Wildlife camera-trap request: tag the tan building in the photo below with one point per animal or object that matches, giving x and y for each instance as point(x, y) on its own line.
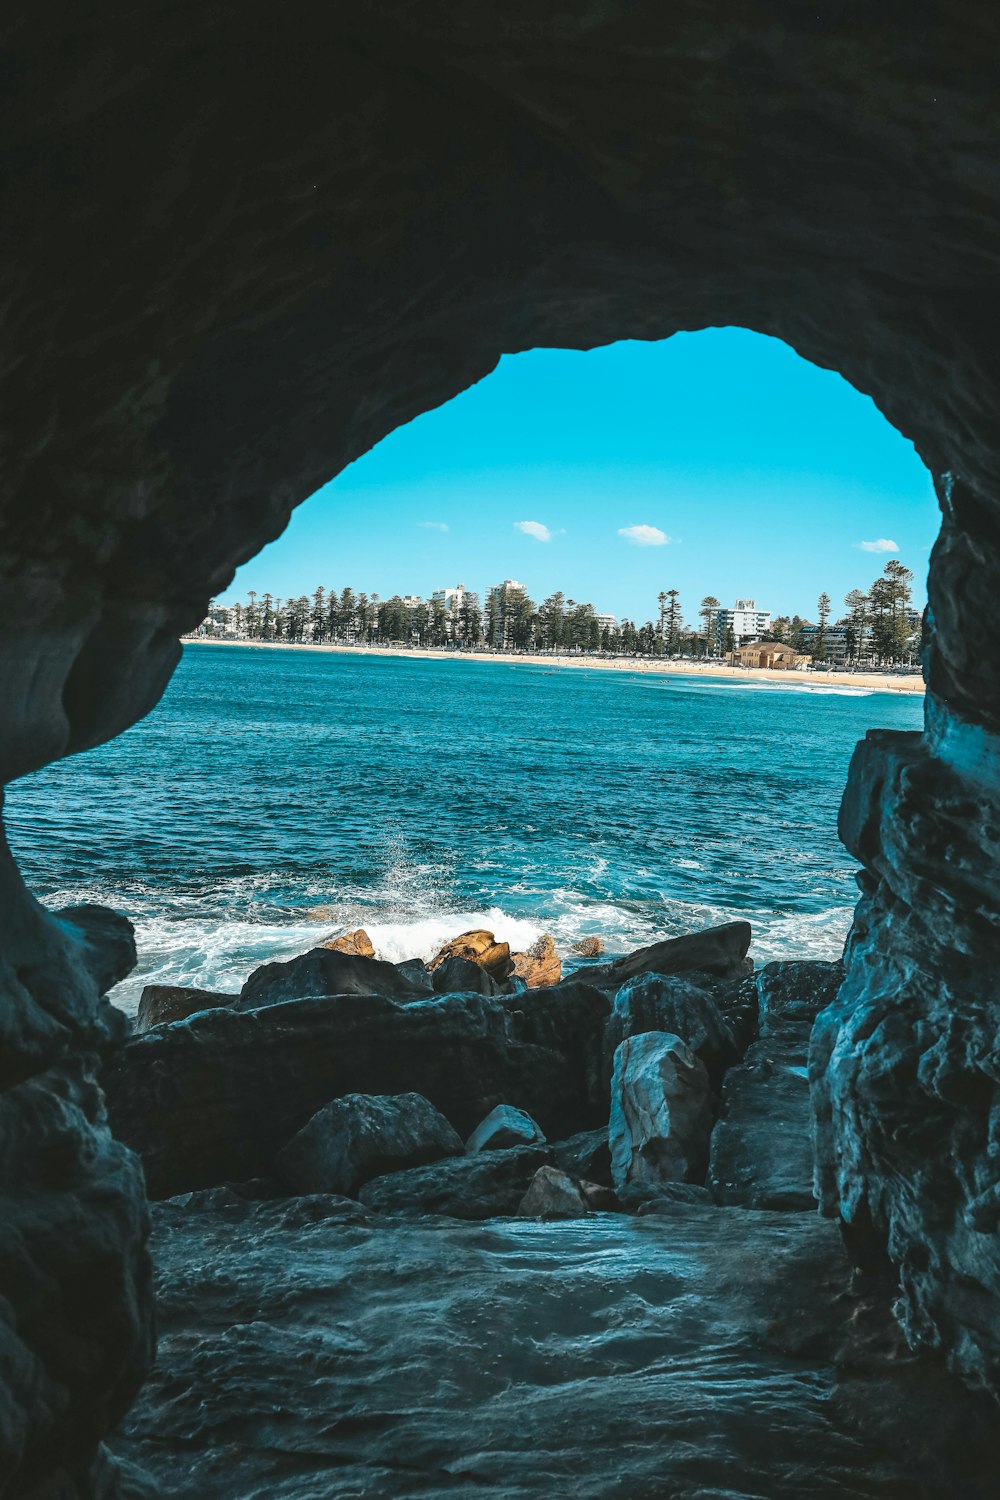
point(771, 654)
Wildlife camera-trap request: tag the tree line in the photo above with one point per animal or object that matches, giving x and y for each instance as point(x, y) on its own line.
point(875, 626)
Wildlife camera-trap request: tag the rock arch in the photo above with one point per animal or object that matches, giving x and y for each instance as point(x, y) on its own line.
point(244, 244)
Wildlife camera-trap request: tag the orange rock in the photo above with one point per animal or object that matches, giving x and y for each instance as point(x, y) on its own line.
point(358, 944)
point(541, 964)
point(589, 947)
point(479, 947)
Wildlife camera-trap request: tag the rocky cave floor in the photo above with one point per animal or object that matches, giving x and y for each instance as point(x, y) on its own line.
point(310, 1349)
point(355, 1300)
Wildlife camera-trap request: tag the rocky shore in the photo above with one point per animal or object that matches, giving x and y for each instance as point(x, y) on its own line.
point(424, 1230)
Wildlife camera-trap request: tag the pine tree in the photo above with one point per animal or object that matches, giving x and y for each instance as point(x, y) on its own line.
point(709, 612)
point(823, 606)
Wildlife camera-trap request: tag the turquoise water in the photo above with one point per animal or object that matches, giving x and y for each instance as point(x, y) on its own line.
point(275, 797)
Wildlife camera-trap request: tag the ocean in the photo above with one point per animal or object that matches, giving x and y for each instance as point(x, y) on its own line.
point(274, 798)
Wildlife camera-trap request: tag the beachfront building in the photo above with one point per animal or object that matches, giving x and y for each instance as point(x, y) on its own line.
point(774, 655)
point(745, 620)
point(503, 609)
point(606, 622)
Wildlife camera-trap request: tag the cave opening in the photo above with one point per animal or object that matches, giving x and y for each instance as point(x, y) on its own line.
point(242, 252)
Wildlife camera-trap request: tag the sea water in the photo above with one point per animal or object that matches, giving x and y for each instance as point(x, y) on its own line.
point(274, 798)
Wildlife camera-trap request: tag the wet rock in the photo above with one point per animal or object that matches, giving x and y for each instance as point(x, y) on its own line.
point(504, 1126)
point(719, 951)
point(680, 1005)
point(361, 1136)
point(600, 1198)
point(739, 1002)
point(484, 1186)
point(552, 1195)
point(792, 994)
point(323, 972)
point(540, 965)
point(699, 1351)
point(461, 975)
point(586, 1155)
point(588, 947)
point(479, 947)
point(160, 1004)
point(660, 1112)
point(107, 942)
point(212, 1100)
point(357, 944)
point(762, 1146)
point(662, 1198)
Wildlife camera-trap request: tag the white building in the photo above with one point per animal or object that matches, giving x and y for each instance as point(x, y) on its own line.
point(450, 598)
point(606, 622)
point(412, 601)
point(745, 620)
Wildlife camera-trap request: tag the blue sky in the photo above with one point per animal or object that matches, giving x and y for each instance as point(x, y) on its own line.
point(717, 462)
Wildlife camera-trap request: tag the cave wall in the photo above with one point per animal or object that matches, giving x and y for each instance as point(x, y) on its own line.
point(246, 242)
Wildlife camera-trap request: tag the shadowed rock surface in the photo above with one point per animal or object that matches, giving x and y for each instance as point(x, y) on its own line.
point(326, 971)
point(159, 1004)
point(504, 1126)
point(719, 951)
point(211, 1099)
point(465, 1187)
point(698, 1352)
point(362, 1136)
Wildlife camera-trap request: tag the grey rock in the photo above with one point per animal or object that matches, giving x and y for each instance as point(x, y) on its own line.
point(160, 1004)
point(762, 1146)
point(792, 994)
point(552, 1195)
point(660, 1112)
point(505, 1126)
point(322, 971)
point(678, 1004)
point(485, 1186)
point(456, 975)
point(718, 951)
point(212, 1100)
point(108, 951)
point(700, 1351)
point(361, 1136)
point(586, 1155)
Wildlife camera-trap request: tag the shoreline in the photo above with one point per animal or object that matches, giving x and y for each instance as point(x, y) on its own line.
point(862, 682)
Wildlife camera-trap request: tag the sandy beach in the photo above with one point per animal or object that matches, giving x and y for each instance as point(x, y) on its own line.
point(861, 682)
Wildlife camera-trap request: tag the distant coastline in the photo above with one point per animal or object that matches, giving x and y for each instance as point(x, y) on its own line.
point(864, 681)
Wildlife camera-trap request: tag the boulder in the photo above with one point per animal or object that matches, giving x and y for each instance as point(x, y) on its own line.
point(552, 1195)
point(720, 951)
point(462, 976)
point(661, 1115)
point(106, 942)
point(762, 1147)
point(588, 947)
point(792, 994)
point(600, 1198)
point(160, 1004)
point(585, 1155)
point(484, 1186)
point(213, 1100)
point(361, 1136)
point(679, 1004)
point(479, 947)
point(325, 972)
point(504, 1126)
point(540, 965)
point(357, 943)
point(739, 1002)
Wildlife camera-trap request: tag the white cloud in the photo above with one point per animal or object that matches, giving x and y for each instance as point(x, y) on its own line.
point(644, 536)
point(882, 545)
point(534, 529)
point(433, 525)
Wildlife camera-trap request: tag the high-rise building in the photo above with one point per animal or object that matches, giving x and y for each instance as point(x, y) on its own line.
point(497, 623)
point(745, 620)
